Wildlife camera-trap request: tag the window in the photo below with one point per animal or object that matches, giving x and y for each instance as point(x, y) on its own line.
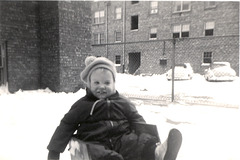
point(153, 33)
point(176, 31)
point(3, 66)
point(134, 22)
point(209, 28)
point(135, 2)
point(163, 62)
point(99, 17)
point(1, 57)
point(95, 38)
point(154, 7)
point(185, 30)
point(118, 36)
point(207, 57)
point(98, 38)
point(118, 13)
point(209, 4)
point(181, 31)
point(181, 6)
point(118, 59)
point(102, 38)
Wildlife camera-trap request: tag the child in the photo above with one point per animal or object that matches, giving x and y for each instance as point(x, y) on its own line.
point(105, 119)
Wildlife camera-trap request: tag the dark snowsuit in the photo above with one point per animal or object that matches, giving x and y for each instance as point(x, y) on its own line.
point(107, 125)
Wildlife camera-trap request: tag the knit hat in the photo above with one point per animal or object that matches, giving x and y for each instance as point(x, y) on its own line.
point(93, 63)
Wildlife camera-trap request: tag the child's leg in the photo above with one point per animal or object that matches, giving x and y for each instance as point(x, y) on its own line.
point(137, 147)
point(100, 152)
point(169, 149)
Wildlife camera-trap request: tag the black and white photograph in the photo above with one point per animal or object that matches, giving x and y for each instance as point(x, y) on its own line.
point(119, 80)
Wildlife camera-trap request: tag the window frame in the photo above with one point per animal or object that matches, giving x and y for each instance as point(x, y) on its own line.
point(153, 9)
point(98, 38)
point(163, 62)
point(208, 29)
point(118, 34)
point(101, 38)
point(118, 60)
point(118, 14)
point(181, 30)
point(132, 27)
point(95, 38)
point(152, 33)
point(206, 56)
point(99, 17)
point(181, 4)
point(208, 5)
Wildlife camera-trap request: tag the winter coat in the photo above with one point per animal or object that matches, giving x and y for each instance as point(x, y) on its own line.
point(107, 124)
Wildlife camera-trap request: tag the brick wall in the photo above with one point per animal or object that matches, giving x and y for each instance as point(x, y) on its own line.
point(65, 42)
point(18, 27)
point(224, 44)
point(75, 42)
point(49, 44)
point(189, 50)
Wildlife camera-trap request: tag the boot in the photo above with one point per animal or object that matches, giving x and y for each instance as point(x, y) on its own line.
point(169, 149)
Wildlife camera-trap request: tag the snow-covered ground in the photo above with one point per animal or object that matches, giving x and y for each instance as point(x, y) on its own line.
point(197, 89)
point(29, 118)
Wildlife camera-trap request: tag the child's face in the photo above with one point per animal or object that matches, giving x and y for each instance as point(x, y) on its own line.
point(102, 84)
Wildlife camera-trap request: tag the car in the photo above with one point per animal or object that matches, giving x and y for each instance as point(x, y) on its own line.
point(220, 71)
point(181, 72)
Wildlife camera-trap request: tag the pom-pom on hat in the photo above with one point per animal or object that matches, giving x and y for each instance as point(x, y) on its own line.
point(93, 63)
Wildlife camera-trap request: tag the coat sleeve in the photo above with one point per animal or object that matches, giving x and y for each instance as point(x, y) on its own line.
point(66, 128)
point(62, 134)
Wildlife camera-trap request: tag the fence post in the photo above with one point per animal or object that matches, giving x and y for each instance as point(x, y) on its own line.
point(173, 67)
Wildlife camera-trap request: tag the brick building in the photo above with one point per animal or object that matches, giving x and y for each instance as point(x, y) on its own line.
point(44, 44)
point(138, 35)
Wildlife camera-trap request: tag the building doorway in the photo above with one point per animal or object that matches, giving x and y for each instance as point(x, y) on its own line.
point(134, 62)
point(3, 64)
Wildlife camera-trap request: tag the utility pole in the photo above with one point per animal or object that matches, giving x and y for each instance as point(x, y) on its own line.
point(107, 3)
point(124, 36)
point(173, 67)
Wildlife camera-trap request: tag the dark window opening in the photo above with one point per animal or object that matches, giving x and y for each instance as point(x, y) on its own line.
point(163, 62)
point(134, 2)
point(153, 35)
point(185, 34)
point(185, 7)
point(118, 59)
point(176, 35)
point(207, 57)
point(134, 22)
point(209, 32)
